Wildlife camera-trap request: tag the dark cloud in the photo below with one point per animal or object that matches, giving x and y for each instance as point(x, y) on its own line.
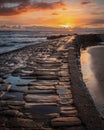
point(44, 5)
point(95, 21)
point(26, 5)
point(97, 12)
point(12, 1)
point(86, 2)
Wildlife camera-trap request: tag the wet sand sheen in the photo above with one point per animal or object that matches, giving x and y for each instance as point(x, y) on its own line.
point(92, 65)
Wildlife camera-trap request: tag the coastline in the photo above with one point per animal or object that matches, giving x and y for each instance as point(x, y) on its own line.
point(21, 48)
point(87, 112)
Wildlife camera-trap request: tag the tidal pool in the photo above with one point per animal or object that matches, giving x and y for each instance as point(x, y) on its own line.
point(14, 81)
point(92, 66)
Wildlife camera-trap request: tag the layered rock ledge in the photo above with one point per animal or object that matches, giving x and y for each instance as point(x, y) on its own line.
point(41, 88)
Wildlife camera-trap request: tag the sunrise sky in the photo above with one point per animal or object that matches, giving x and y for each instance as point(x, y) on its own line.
point(55, 13)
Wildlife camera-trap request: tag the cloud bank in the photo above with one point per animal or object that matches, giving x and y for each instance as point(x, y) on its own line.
point(87, 2)
point(27, 5)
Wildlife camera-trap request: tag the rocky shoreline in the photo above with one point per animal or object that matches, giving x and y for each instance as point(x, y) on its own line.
point(83, 100)
point(41, 88)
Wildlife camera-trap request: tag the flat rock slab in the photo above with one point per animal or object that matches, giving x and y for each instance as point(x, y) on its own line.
point(40, 92)
point(69, 113)
point(21, 123)
point(41, 110)
point(2, 81)
point(7, 97)
point(65, 121)
point(64, 66)
point(28, 77)
point(66, 95)
point(62, 90)
point(47, 70)
point(65, 101)
point(31, 75)
point(48, 77)
point(47, 62)
point(17, 90)
point(42, 98)
point(22, 84)
point(64, 73)
point(14, 103)
point(43, 83)
point(53, 115)
point(29, 104)
point(45, 73)
point(64, 83)
point(52, 59)
point(64, 79)
point(27, 71)
point(11, 113)
point(54, 66)
point(4, 87)
point(42, 87)
point(69, 108)
point(62, 47)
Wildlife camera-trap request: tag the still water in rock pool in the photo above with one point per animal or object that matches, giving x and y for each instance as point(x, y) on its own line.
point(92, 66)
point(15, 81)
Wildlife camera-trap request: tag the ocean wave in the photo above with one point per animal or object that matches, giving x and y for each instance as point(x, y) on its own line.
point(6, 45)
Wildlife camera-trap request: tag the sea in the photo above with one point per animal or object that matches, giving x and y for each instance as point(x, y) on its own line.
point(12, 40)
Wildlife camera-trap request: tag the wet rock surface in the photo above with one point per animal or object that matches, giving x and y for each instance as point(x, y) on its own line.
point(36, 90)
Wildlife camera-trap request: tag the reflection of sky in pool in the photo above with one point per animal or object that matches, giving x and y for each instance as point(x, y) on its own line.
point(92, 62)
point(14, 81)
point(17, 80)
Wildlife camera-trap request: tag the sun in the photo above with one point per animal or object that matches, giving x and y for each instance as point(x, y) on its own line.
point(65, 25)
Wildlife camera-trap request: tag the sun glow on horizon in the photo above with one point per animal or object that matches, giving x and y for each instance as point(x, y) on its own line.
point(68, 26)
point(56, 13)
